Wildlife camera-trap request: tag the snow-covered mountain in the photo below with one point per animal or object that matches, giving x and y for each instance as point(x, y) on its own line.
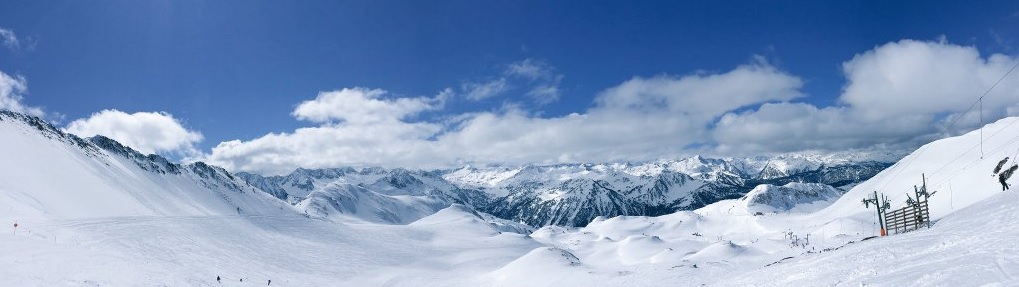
point(812, 241)
point(567, 194)
point(57, 175)
point(574, 194)
point(372, 194)
point(94, 213)
point(348, 201)
point(772, 198)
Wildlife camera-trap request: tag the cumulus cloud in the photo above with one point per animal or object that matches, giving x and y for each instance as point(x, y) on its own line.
point(639, 119)
point(361, 105)
point(359, 126)
point(11, 91)
point(9, 38)
point(897, 96)
point(642, 118)
point(703, 96)
point(904, 93)
point(147, 132)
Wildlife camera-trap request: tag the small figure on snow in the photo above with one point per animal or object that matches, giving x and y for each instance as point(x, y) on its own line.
point(1001, 179)
point(218, 280)
point(1001, 163)
point(1005, 175)
point(270, 282)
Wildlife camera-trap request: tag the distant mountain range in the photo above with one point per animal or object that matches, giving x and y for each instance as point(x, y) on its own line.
point(568, 194)
point(538, 195)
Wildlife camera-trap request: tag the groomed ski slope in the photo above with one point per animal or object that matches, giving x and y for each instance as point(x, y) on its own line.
point(90, 220)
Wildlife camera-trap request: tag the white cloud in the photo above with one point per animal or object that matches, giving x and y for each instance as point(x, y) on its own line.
point(914, 77)
point(901, 93)
point(703, 96)
point(545, 93)
point(361, 105)
point(539, 79)
point(481, 91)
point(147, 132)
point(640, 119)
point(897, 96)
point(359, 126)
point(11, 91)
point(542, 78)
point(9, 38)
point(790, 127)
point(385, 143)
point(530, 69)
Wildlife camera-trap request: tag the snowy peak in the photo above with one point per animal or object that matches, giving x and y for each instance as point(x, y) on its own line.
point(574, 194)
point(150, 162)
point(55, 174)
point(45, 129)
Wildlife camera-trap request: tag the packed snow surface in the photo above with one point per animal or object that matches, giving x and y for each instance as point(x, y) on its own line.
point(91, 217)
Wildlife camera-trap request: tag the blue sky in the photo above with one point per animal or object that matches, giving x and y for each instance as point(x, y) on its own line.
point(239, 70)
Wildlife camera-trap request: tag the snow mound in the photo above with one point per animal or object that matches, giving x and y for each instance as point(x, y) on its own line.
point(722, 251)
point(528, 270)
point(560, 257)
point(465, 218)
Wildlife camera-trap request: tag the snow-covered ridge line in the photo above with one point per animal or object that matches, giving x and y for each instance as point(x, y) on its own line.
point(92, 146)
point(54, 174)
point(574, 194)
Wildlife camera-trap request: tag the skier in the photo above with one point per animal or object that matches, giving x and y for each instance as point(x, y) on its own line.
point(270, 282)
point(1005, 175)
point(1000, 164)
point(217, 279)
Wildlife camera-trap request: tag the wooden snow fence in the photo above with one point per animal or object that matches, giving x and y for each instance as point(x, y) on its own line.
point(908, 218)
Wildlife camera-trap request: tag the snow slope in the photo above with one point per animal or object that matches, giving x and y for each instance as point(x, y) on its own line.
point(949, 164)
point(350, 202)
point(974, 246)
point(94, 214)
point(291, 251)
point(724, 244)
point(50, 174)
